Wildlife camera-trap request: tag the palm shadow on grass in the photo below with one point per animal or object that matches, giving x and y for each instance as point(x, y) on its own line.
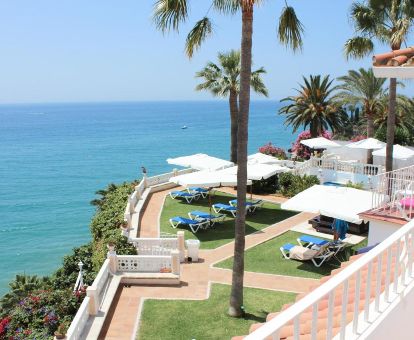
point(222, 233)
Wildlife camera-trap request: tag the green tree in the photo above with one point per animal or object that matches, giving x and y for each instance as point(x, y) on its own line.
point(314, 106)
point(361, 88)
point(223, 80)
point(169, 14)
point(387, 21)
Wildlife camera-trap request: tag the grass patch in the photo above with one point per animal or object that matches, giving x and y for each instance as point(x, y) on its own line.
point(221, 233)
point(207, 319)
point(267, 258)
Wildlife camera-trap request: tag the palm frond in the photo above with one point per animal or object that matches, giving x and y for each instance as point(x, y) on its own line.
point(168, 14)
point(227, 6)
point(358, 47)
point(290, 29)
point(201, 30)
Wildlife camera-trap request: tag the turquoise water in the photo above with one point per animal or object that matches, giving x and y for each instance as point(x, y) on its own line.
point(54, 157)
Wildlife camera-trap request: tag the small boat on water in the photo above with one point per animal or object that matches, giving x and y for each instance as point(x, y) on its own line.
point(184, 127)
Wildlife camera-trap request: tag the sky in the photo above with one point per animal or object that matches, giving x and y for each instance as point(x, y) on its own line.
point(106, 50)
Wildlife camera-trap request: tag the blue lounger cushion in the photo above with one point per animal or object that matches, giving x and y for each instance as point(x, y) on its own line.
point(225, 206)
point(198, 189)
point(184, 220)
point(182, 194)
point(202, 214)
point(311, 239)
point(288, 246)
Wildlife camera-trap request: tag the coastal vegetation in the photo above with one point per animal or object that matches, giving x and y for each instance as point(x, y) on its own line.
point(34, 308)
point(223, 80)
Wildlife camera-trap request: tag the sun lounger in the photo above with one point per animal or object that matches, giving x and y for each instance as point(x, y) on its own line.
point(204, 215)
point(250, 205)
point(197, 190)
point(318, 257)
point(313, 242)
point(193, 224)
point(406, 206)
point(224, 207)
point(189, 197)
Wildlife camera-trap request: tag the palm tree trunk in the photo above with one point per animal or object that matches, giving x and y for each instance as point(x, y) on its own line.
point(370, 133)
point(234, 112)
point(236, 296)
point(391, 124)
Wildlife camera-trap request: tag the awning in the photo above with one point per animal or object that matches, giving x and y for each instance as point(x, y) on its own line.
point(399, 152)
point(319, 143)
point(210, 179)
point(337, 202)
point(258, 172)
point(368, 144)
point(200, 161)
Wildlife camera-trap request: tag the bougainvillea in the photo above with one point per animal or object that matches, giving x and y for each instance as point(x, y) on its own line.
point(303, 151)
point(272, 150)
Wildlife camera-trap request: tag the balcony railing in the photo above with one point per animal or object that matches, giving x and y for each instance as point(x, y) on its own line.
point(377, 278)
point(398, 187)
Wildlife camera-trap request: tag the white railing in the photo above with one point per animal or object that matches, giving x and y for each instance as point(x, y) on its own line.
point(155, 246)
point(338, 165)
point(398, 187)
point(79, 321)
point(143, 263)
point(377, 278)
point(102, 277)
point(164, 178)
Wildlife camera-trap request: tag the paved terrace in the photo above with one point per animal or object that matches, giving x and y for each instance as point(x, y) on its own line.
point(123, 318)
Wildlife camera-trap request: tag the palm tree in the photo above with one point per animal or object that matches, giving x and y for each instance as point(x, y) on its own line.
point(387, 21)
point(223, 80)
point(169, 14)
point(314, 107)
point(362, 88)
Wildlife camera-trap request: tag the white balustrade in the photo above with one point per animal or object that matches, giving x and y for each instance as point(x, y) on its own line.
point(398, 187)
point(143, 263)
point(164, 178)
point(79, 321)
point(364, 276)
point(155, 246)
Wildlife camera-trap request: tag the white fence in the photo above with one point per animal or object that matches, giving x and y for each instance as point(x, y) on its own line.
point(143, 263)
point(378, 277)
point(155, 246)
point(164, 178)
point(79, 321)
point(398, 187)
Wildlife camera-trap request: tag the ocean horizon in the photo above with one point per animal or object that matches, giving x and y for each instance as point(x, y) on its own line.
point(54, 156)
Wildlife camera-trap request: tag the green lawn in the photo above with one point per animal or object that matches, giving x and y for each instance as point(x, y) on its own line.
point(220, 233)
point(267, 258)
point(180, 319)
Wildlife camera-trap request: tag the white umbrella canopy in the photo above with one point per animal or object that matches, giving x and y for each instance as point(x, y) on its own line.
point(399, 152)
point(337, 202)
point(368, 144)
point(257, 172)
point(319, 143)
point(261, 158)
point(200, 161)
point(210, 179)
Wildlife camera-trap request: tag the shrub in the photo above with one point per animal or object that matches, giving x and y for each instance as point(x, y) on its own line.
point(291, 184)
point(360, 185)
point(302, 151)
point(274, 151)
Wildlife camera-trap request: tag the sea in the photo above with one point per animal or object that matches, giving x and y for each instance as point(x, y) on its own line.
point(54, 157)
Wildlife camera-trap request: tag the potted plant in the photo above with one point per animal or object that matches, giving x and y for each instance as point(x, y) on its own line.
point(111, 245)
point(60, 333)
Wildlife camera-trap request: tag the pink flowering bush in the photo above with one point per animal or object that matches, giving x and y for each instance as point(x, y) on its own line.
point(302, 151)
point(271, 150)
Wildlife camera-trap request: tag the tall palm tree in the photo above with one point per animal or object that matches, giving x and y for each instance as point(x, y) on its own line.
point(169, 14)
point(404, 114)
point(362, 88)
point(387, 21)
point(314, 106)
point(222, 80)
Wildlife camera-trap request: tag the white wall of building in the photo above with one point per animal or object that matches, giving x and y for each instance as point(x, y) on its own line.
point(380, 230)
